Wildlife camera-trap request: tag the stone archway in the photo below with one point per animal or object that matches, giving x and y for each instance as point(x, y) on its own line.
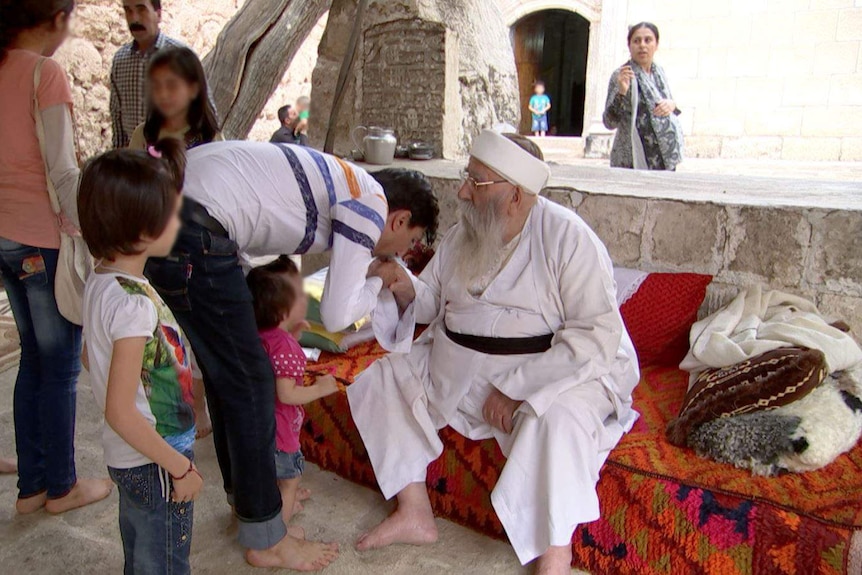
point(552, 46)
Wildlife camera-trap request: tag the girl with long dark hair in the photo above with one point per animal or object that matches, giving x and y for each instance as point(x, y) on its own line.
point(179, 105)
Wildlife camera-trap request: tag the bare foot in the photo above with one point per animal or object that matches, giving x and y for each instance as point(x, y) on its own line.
point(31, 504)
point(303, 494)
point(85, 492)
point(292, 553)
point(297, 507)
point(555, 561)
point(296, 532)
point(8, 465)
point(413, 528)
point(203, 425)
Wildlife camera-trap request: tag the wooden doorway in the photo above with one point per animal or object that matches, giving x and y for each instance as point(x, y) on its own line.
point(552, 46)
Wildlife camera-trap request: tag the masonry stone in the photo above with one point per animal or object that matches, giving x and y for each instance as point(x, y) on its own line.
point(685, 235)
point(702, 146)
point(808, 149)
point(832, 121)
point(780, 121)
point(768, 243)
point(618, 221)
point(754, 147)
point(837, 248)
point(836, 57)
point(846, 90)
point(805, 91)
point(851, 149)
point(850, 24)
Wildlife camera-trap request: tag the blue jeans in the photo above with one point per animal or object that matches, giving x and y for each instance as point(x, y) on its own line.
point(156, 532)
point(44, 400)
point(203, 284)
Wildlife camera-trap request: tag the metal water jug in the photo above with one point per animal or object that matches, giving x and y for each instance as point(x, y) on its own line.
point(377, 144)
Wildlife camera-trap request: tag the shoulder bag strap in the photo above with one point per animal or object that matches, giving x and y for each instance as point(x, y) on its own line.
point(40, 134)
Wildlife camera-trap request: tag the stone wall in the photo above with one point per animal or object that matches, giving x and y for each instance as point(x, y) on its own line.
point(770, 79)
point(814, 253)
point(484, 79)
point(99, 31)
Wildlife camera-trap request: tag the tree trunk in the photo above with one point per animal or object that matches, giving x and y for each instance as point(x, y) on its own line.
point(251, 55)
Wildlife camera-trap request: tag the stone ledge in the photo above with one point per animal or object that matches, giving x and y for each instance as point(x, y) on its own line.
point(741, 230)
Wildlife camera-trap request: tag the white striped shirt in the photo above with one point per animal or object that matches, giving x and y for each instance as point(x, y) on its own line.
point(285, 199)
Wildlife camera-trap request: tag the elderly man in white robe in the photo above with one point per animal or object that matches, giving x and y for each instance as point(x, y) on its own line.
point(526, 345)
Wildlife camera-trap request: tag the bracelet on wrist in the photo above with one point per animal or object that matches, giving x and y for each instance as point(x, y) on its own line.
point(186, 474)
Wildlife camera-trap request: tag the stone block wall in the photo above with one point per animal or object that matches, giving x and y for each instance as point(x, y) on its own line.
point(777, 79)
point(810, 252)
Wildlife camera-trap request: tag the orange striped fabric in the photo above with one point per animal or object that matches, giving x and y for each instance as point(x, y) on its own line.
point(352, 182)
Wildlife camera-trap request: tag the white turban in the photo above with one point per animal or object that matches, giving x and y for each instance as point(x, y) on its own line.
point(511, 161)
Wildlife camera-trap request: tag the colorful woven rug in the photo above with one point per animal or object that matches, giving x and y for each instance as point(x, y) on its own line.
point(664, 510)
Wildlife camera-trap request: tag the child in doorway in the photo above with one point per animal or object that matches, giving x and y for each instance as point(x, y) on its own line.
point(303, 105)
point(540, 103)
point(280, 306)
point(179, 102)
point(139, 363)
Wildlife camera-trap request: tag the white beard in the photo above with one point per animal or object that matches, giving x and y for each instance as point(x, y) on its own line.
point(479, 240)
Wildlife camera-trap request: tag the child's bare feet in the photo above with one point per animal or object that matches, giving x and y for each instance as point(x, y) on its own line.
point(303, 494)
point(555, 561)
point(292, 553)
point(296, 532)
point(85, 492)
point(30, 505)
point(8, 465)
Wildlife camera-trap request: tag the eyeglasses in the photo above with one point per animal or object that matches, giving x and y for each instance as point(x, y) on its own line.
point(475, 185)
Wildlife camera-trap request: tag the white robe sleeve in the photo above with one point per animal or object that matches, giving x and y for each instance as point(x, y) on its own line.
point(348, 294)
point(585, 347)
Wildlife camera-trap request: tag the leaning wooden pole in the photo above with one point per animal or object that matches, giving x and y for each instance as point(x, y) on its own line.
point(251, 55)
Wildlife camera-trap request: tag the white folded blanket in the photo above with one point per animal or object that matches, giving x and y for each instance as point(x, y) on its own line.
point(758, 321)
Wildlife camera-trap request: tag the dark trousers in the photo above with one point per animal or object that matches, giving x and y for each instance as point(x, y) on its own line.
point(45, 390)
point(203, 284)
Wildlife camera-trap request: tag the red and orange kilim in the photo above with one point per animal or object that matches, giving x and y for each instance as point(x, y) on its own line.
point(664, 509)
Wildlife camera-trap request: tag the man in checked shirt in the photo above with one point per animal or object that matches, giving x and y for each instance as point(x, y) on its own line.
point(129, 68)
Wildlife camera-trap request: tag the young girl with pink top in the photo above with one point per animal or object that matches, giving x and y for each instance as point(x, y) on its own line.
point(280, 305)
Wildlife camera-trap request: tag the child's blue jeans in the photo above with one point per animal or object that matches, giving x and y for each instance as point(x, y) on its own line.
point(156, 532)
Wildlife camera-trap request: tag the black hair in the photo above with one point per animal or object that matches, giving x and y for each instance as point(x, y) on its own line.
point(272, 294)
point(411, 190)
point(539, 83)
point(282, 113)
point(19, 15)
point(128, 194)
point(203, 125)
point(648, 25)
point(157, 4)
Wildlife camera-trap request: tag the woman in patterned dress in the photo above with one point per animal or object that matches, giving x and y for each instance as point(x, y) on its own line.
point(641, 109)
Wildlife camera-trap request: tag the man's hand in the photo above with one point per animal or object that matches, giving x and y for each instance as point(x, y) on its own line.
point(384, 269)
point(664, 108)
point(402, 289)
point(499, 411)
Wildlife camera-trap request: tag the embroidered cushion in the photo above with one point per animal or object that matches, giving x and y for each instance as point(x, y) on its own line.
point(659, 316)
point(765, 382)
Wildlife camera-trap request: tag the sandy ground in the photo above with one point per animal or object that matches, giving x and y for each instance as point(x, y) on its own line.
point(87, 541)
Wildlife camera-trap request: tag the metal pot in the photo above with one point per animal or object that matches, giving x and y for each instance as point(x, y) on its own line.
point(377, 144)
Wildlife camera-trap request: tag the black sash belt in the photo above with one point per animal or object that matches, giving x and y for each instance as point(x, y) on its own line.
point(196, 213)
point(502, 345)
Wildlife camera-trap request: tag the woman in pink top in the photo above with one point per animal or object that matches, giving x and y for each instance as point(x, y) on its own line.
point(44, 402)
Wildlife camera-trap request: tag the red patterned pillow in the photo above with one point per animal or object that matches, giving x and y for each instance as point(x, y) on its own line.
point(660, 314)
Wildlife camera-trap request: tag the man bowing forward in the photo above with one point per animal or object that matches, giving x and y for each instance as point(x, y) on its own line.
point(526, 345)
